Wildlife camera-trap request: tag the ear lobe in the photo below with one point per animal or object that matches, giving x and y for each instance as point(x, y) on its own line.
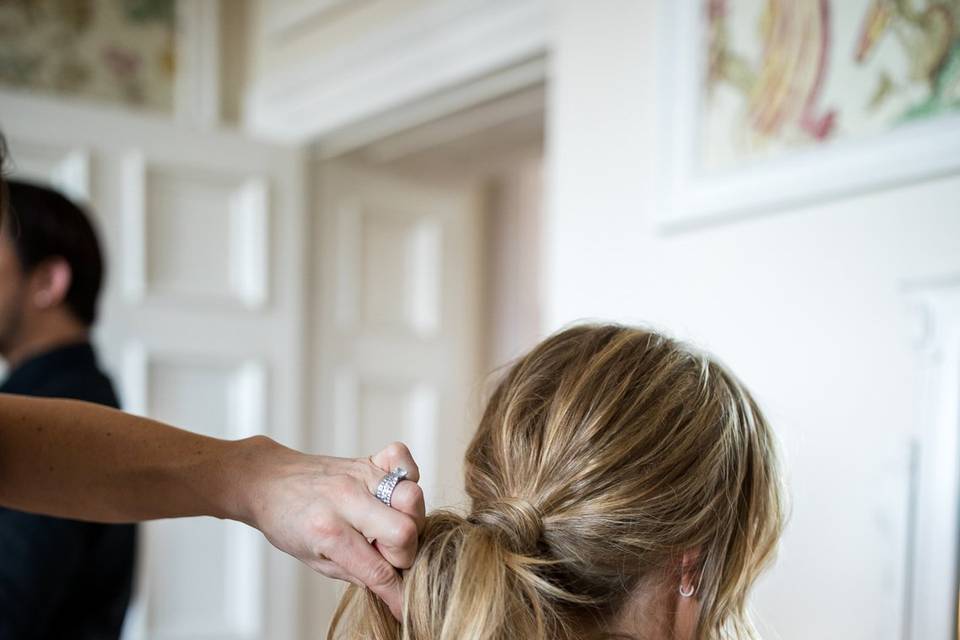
point(54, 278)
point(687, 602)
point(691, 572)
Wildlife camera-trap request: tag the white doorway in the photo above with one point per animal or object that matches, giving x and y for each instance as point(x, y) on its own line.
point(335, 299)
point(425, 278)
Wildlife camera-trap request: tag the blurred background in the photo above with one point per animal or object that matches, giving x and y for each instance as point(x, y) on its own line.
point(330, 221)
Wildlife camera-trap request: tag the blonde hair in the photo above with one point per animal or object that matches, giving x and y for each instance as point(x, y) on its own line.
point(603, 455)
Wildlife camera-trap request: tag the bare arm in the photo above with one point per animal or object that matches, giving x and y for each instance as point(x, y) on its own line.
point(85, 461)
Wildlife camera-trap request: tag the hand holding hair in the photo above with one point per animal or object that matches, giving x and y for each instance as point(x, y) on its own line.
point(88, 462)
point(323, 511)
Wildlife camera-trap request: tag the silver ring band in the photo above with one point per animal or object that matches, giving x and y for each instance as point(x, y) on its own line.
point(388, 483)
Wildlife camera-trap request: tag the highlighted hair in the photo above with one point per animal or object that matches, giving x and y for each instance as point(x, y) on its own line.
point(603, 455)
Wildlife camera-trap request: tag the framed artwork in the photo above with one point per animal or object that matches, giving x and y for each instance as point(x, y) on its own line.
point(114, 52)
point(774, 103)
point(161, 56)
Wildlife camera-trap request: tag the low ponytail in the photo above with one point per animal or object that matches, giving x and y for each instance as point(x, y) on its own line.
point(472, 580)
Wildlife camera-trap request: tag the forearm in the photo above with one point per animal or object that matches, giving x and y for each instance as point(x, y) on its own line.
point(84, 461)
point(88, 462)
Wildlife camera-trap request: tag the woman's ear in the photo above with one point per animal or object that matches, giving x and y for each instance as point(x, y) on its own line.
point(690, 572)
point(50, 282)
point(688, 603)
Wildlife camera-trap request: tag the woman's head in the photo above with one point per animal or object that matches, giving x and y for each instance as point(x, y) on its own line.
point(612, 468)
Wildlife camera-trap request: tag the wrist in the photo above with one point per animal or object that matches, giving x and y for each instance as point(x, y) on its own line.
point(244, 478)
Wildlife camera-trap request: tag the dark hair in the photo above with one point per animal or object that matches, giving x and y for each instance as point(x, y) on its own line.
point(43, 225)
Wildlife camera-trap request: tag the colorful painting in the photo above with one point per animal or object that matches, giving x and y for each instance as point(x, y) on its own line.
point(786, 74)
point(106, 50)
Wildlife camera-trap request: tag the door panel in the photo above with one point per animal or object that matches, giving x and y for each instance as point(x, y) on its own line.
point(201, 326)
point(223, 560)
point(195, 233)
point(66, 167)
point(397, 337)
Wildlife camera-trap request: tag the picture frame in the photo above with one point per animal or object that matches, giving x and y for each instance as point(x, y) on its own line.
point(906, 153)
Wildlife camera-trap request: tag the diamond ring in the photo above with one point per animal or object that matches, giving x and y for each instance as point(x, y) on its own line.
point(388, 483)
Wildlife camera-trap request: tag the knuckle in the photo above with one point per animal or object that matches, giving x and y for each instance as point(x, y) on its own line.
point(326, 531)
point(415, 493)
point(408, 497)
point(405, 533)
point(397, 450)
point(381, 574)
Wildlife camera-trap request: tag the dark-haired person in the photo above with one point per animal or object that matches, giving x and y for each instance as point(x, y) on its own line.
point(59, 578)
point(82, 460)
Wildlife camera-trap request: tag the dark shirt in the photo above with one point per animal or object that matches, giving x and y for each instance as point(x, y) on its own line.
point(63, 579)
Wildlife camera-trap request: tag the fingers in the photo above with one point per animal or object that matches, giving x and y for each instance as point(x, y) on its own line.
point(396, 536)
point(396, 455)
point(357, 558)
point(407, 496)
point(332, 570)
point(408, 499)
point(395, 532)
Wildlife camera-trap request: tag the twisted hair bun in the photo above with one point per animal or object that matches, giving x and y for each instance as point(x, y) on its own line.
point(603, 455)
point(519, 522)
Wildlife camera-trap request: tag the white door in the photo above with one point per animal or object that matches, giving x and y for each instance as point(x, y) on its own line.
point(396, 333)
point(931, 607)
point(202, 324)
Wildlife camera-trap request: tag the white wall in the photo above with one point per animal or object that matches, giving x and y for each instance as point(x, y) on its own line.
point(806, 305)
point(511, 263)
point(285, 33)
